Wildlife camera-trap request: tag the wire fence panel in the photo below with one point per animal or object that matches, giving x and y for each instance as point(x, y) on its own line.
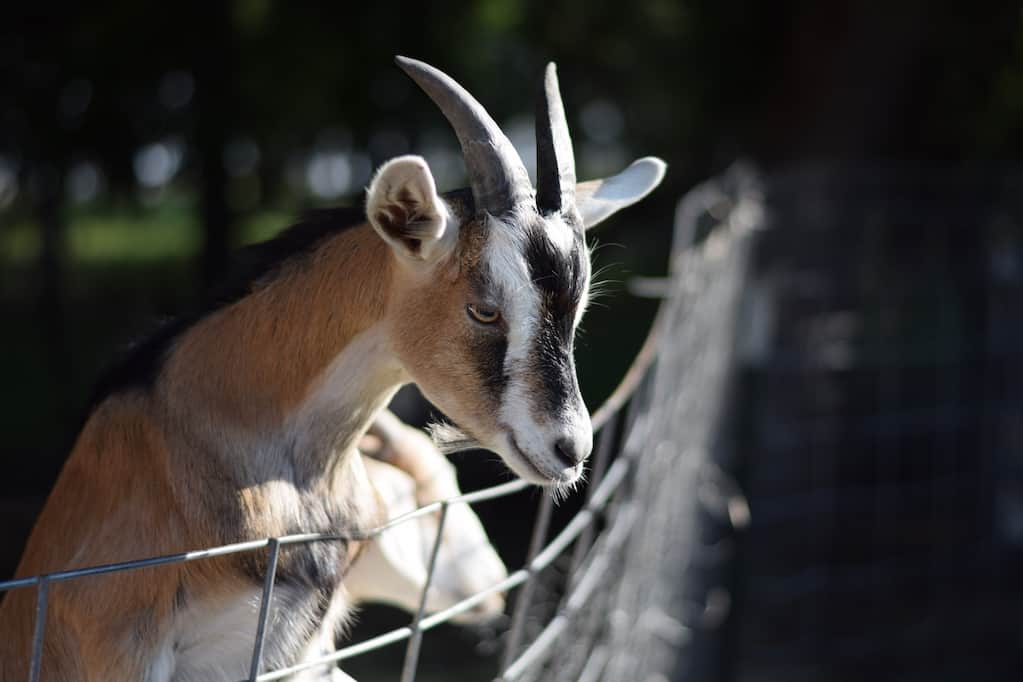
point(883, 425)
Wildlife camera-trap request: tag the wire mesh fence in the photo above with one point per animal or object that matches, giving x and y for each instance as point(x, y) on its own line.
point(881, 428)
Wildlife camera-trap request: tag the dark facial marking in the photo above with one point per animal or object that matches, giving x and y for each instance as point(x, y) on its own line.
point(560, 280)
point(489, 355)
point(489, 346)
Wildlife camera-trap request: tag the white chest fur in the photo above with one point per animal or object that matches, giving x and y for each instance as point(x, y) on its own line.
point(213, 641)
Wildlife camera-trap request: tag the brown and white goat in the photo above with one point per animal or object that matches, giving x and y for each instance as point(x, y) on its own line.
point(243, 422)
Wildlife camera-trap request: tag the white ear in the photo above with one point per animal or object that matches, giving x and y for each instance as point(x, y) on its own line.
point(403, 206)
point(599, 199)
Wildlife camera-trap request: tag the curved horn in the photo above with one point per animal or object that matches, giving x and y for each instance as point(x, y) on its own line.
point(498, 178)
point(555, 163)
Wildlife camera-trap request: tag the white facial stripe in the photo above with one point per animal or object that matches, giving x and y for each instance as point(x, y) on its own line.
point(584, 300)
point(505, 257)
point(510, 274)
point(560, 234)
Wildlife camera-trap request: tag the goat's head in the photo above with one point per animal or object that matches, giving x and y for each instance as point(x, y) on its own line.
point(492, 282)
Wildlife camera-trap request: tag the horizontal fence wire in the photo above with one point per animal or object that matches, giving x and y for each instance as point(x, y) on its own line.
point(540, 556)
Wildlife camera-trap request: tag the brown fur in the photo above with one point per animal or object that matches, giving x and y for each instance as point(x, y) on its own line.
point(149, 474)
point(430, 325)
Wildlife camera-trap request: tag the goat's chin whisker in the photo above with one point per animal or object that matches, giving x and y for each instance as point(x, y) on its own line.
point(449, 438)
point(561, 491)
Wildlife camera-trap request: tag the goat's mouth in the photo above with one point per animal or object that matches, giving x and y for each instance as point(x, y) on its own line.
point(537, 472)
point(450, 438)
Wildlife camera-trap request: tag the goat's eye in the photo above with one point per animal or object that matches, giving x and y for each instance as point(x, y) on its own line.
point(483, 315)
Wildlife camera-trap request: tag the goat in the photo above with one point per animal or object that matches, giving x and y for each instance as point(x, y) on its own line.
point(243, 422)
point(408, 471)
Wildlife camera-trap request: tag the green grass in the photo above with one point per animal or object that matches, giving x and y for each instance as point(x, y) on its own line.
point(169, 231)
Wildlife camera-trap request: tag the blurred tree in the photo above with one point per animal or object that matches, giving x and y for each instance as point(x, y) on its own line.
point(213, 63)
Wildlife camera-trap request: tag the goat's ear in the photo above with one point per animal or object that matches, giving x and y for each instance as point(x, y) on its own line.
point(403, 206)
point(599, 199)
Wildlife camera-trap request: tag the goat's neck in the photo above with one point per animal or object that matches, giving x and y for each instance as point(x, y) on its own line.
point(296, 370)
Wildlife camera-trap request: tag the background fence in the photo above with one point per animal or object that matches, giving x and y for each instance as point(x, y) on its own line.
point(882, 428)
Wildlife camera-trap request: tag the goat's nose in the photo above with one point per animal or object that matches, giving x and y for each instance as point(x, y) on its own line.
point(571, 451)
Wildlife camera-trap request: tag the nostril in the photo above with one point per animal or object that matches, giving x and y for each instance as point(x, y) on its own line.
point(568, 452)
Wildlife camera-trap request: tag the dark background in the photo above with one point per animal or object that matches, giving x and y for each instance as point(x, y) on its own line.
point(141, 142)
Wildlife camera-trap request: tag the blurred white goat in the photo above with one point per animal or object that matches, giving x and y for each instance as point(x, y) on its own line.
point(408, 471)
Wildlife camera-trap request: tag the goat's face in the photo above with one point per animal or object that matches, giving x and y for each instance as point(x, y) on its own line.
point(492, 283)
point(487, 336)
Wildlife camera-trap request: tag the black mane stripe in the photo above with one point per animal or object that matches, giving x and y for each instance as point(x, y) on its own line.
point(138, 365)
point(560, 279)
